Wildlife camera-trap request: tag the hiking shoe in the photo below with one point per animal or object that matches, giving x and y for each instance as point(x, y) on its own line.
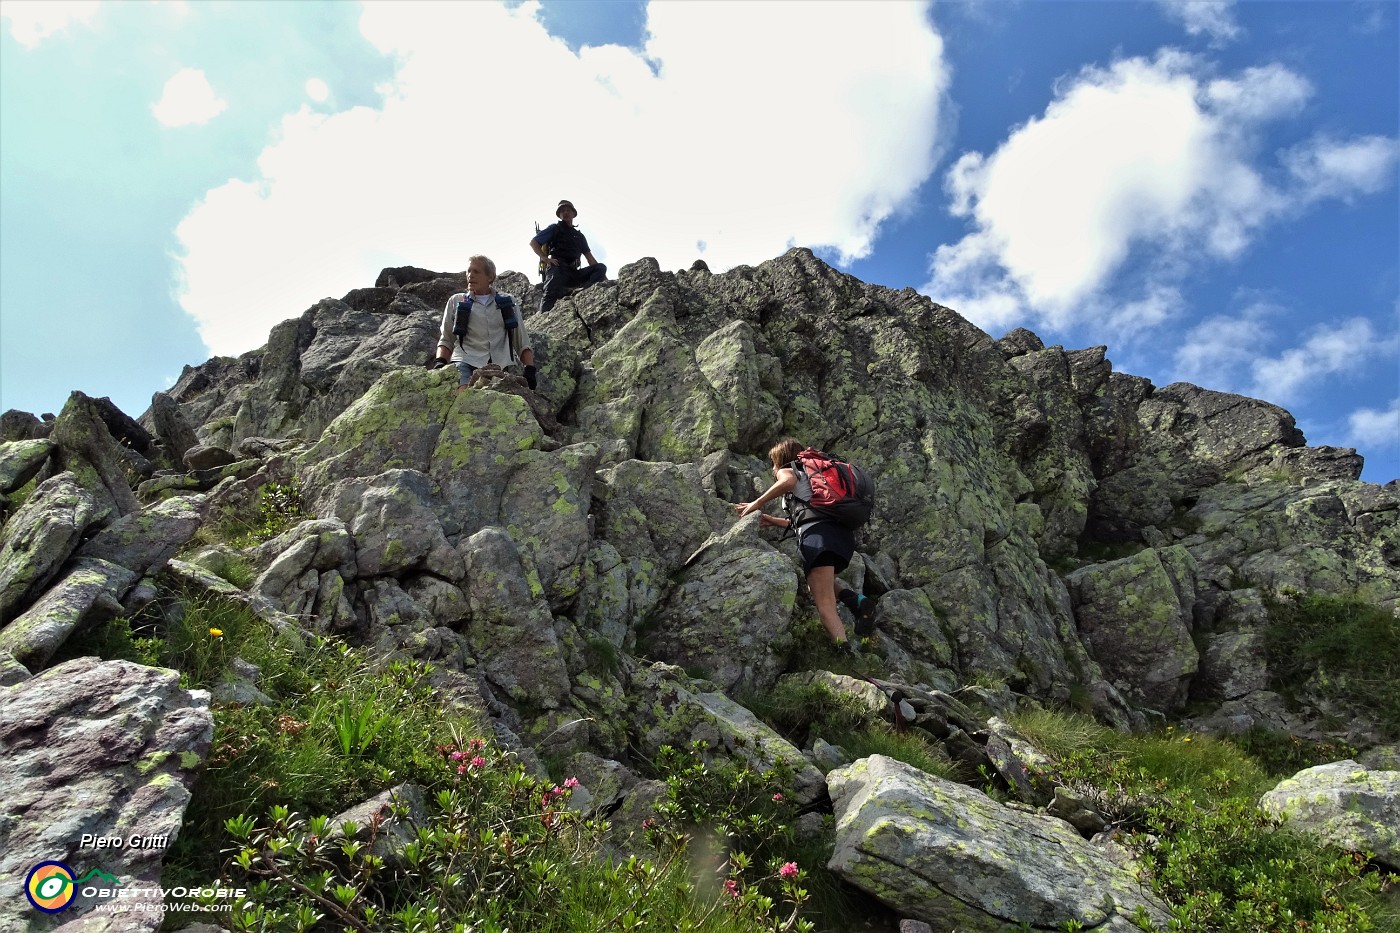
point(865, 616)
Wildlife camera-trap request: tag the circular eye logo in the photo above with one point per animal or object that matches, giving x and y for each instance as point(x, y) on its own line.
point(50, 886)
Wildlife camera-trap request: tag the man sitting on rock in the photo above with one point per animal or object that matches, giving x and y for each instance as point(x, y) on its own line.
point(481, 326)
point(560, 246)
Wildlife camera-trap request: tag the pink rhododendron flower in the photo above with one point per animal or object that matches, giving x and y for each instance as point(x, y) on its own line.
point(789, 870)
point(731, 887)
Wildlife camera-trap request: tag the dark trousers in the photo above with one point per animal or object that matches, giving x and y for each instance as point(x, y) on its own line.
point(560, 280)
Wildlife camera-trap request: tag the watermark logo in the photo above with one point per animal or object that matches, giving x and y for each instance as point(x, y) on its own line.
point(51, 886)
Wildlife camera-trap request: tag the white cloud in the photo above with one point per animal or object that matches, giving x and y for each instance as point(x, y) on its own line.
point(1231, 353)
point(1372, 428)
point(1326, 168)
point(317, 90)
point(33, 21)
point(1213, 18)
point(1328, 351)
point(761, 126)
point(1148, 166)
point(188, 100)
point(1220, 351)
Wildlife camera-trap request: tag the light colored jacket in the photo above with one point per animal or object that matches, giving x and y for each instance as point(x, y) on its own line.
point(487, 340)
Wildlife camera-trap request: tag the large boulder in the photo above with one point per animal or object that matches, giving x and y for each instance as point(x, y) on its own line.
point(1135, 614)
point(176, 436)
point(38, 538)
point(392, 520)
point(648, 390)
point(730, 614)
point(1345, 805)
point(144, 540)
point(1330, 536)
point(511, 632)
point(668, 708)
point(97, 750)
point(89, 593)
point(950, 856)
point(20, 461)
point(84, 445)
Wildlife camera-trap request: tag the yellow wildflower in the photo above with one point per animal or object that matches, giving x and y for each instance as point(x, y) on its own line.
point(217, 632)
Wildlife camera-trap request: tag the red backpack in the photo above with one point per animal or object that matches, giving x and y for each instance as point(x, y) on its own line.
point(830, 488)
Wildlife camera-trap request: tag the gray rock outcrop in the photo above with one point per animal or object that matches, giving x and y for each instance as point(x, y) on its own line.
point(949, 856)
point(1344, 805)
point(570, 563)
point(96, 750)
point(38, 538)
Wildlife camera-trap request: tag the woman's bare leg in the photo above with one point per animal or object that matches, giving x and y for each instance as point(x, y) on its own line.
point(822, 582)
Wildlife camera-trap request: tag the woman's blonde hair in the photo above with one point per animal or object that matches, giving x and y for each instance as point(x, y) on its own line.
point(490, 266)
point(785, 451)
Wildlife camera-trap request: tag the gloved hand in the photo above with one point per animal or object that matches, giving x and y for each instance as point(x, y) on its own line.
point(439, 362)
point(530, 377)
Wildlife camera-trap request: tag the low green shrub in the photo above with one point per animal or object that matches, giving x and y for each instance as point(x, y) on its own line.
point(339, 731)
point(499, 850)
point(1283, 755)
point(1337, 649)
point(238, 571)
point(277, 508)
point(1189, 806)
point(116, 640)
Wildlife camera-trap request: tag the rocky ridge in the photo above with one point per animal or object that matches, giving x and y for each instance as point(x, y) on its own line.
point(1071, 533)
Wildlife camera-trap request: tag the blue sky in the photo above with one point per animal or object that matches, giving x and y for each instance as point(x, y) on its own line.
point(1210, 189)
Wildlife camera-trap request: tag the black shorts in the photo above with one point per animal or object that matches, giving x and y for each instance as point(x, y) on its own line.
point(825, 544)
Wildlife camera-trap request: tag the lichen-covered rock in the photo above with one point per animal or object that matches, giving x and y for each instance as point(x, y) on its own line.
point(297, 558)
point(670, 709)
point(148, 538)
point(39, 537)
point(20, 461)
point(89, 593)
point(546, 504)
point(1344, 805)
point(909, 619)
point(176, 436)
point(647, 389)
point(207, 457)
point(104, 749)
point(84, 445)
point(730, 614)
point(393, 523)
point(733, 367)
point(1135, 614)
point(512, 633)
point(948, 855)
point(1332, 536)
point(16, 425)
point(1058, 463)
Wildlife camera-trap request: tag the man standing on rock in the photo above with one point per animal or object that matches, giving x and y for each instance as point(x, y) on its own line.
point(560, 247)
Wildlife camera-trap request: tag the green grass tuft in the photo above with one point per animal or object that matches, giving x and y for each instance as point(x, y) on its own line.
point(1188, 806)
point(1334, 649)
